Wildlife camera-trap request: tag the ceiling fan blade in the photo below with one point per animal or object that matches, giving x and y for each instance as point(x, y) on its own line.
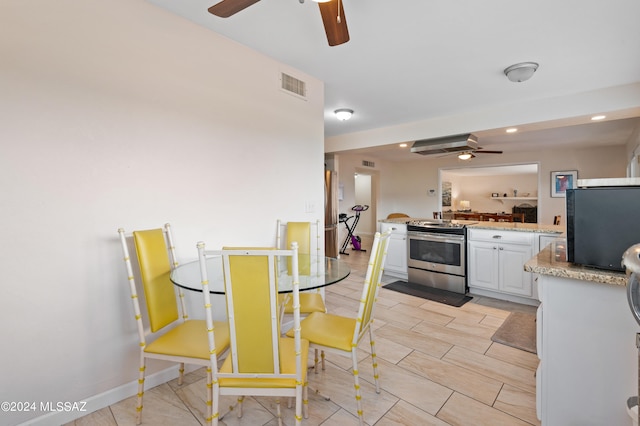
point(335, 23)
point(487, 152)
point(227, 8)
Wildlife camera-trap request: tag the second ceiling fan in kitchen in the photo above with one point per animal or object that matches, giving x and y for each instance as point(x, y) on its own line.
point(332, 12)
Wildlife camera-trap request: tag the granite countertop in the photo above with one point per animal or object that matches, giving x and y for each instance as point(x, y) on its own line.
point(503, 226)
point(552, 261)
point(517, 226)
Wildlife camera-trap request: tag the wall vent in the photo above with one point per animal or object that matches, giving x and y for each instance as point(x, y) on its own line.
point(293, 85)
point(368, 163)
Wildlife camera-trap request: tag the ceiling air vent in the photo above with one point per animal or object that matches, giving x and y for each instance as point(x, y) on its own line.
point(292, 85)
point(368, 163)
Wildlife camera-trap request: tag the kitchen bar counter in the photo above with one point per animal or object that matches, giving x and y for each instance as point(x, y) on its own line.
point(502, 226)
point(586, 337)
point(552, 261)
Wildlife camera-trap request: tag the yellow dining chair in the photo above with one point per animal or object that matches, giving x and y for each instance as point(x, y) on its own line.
point(182, 341)
point(310, 261)
point(261, 362)
point(307, 235)
point(338, 334)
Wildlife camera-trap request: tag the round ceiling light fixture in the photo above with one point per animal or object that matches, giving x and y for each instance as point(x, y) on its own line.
point(343, 114)
point(521, 72)
point(465, 156)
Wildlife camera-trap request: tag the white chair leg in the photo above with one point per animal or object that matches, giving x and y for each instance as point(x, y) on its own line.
point(279, 413)
point(212, 403)
point(181, 375)
point(298, 405)
point(140, 389)
point(356, 381)
point(374, 359)
point(240, 399)
point(305, 400)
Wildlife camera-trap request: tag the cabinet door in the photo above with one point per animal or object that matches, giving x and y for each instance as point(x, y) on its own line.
point(512, 277)
point(483, 265)
point(396, 254)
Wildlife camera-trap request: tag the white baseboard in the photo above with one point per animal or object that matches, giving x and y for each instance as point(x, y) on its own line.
point(105, 399)
point(475, 291)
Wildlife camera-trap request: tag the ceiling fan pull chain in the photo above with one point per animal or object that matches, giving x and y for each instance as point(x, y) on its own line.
point(339, 20)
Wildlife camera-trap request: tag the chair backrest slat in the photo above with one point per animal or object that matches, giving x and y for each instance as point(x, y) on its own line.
point(155, 271)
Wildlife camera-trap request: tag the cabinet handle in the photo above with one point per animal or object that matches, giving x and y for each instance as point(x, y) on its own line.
point(501, 248)
point(393, 229)
point(495, 248)
point(497, 237)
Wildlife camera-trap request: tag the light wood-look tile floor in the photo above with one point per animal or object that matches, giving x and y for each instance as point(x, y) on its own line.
point(437, 364)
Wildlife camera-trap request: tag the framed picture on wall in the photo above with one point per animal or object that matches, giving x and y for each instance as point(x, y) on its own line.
point(446, 194)
point(563, 180)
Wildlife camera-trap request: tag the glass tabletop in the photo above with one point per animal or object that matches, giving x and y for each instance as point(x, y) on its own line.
point(188, 277)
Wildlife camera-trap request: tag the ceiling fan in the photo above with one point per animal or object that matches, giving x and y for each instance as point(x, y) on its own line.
point(332, 12)
point(465, 145)
point(467, 155)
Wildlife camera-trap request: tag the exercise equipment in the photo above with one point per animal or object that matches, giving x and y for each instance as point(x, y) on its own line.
point(354, 239)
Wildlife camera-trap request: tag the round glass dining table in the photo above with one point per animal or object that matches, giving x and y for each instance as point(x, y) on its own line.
point(188, 277)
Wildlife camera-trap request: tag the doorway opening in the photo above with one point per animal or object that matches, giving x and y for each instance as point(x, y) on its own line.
point(366, 190)
point(493, 189)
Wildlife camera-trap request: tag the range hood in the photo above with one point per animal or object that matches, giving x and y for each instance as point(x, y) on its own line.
point(455, 143)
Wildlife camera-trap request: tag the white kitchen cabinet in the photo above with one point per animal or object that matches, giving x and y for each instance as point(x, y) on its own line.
point(396, 263)
point(496, 262)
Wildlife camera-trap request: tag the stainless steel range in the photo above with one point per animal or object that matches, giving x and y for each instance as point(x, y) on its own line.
point(437, 254)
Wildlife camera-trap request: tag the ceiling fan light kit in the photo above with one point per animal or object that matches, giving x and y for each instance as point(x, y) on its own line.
point(343, 114)
point(465, 156)
point(521, 72)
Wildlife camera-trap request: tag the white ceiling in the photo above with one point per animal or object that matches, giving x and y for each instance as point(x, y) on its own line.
point(412, 60)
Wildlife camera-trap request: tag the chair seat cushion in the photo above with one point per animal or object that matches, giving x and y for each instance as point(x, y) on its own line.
point(309, 302)
point(287, 366)
point(190, 339)
point(329, 330)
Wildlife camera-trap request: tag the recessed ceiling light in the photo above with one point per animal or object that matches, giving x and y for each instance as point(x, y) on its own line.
point(512, 130)
point(598, 117)
point(403, 145)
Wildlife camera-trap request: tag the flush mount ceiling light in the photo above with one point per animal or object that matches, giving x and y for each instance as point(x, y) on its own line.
point(465, 156)
point(343, 114)
point(521, 72)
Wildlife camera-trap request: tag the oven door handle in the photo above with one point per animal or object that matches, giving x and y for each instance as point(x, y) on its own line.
point(429, 236)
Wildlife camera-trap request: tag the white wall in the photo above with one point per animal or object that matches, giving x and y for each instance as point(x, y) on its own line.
point(404, 186)
point(118, 114)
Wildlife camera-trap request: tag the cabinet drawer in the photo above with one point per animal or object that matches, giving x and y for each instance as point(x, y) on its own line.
point(511, 237)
